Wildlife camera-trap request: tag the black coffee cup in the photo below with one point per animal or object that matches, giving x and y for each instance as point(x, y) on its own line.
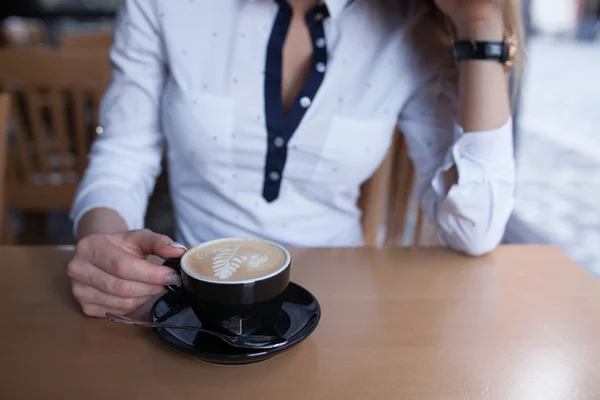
point(234, 307)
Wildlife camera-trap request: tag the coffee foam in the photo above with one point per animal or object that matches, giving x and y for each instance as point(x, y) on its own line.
point(230, 260)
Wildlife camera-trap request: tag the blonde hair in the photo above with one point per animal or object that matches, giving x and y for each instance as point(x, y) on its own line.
point(402, 173)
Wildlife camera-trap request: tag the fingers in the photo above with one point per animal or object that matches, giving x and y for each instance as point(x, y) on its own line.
point(87, 295)
point(120, 264)
point(88, 275)
point(109, 273)
point(159, 245)
point(97, 311)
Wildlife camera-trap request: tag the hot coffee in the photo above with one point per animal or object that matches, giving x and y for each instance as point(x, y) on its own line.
point(235, 285)
point(234, 260)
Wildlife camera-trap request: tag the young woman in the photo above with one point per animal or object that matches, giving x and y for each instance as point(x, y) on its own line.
point(274, 112)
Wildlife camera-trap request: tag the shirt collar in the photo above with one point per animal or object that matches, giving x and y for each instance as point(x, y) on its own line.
point(335, 7)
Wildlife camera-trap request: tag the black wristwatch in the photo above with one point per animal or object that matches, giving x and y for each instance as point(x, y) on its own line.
point(502, 52)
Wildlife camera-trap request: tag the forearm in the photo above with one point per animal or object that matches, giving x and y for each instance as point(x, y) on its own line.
point(100, 220)
point(483, 95)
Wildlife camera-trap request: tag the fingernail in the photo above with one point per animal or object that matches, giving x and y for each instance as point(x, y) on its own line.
point(176, 245)
point(173, 280)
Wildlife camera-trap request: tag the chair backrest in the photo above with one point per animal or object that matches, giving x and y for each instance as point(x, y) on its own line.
point(56, 97)
point(4, 110)
point(372, 200)
point(16, 31)
point(389, 204)
point(85, 40)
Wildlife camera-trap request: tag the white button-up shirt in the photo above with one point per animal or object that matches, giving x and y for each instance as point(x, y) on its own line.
point(202, 76)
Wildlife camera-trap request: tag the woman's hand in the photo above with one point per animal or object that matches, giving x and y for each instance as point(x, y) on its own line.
point(474, 19)
point(109, 272)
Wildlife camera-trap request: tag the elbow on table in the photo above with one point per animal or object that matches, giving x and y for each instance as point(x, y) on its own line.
point(477, 242)
point(480, 248)
point(470, 229)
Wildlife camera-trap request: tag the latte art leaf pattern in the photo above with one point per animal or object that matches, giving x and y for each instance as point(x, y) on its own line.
point(234, 260)
point(227, 261)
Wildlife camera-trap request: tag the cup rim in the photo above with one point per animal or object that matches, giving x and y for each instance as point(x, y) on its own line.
point(285, 265)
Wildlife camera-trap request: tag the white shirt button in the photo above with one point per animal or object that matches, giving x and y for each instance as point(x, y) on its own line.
point(305, 102)
point(279, 142)
point(320, 67)
point(274, 176)
point(320, 43)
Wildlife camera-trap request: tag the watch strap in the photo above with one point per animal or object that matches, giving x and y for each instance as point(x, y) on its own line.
point(464, 50)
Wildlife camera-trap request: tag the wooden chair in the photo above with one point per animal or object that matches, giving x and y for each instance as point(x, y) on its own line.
point(377, 194)
point(85, 40)
point(55, 105)
point(4, 110)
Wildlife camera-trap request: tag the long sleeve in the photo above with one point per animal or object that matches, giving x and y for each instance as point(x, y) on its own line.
point(125, 158)
point(472, 216)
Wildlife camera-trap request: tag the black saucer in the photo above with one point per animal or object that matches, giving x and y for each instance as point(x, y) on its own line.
point(297, 319)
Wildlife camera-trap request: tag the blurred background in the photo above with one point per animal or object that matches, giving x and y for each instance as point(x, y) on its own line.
point(557, 140)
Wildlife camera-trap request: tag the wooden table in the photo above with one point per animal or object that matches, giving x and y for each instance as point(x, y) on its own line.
point(521, 323)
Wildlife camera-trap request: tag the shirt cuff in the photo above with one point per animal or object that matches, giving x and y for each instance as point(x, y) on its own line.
point(479, 157)
point(107, 197)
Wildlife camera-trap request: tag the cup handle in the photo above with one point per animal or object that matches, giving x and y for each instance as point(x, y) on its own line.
point(174, 263)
